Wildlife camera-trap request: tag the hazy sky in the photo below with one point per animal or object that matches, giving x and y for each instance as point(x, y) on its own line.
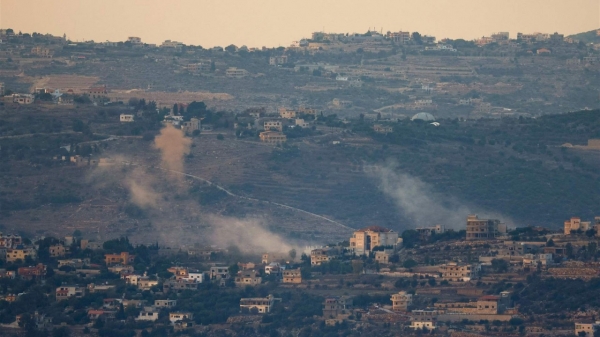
point(258, 23)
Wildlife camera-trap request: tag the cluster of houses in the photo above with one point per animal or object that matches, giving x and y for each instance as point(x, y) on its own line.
point(56, 96)
point(271, 126)
point(490, 237)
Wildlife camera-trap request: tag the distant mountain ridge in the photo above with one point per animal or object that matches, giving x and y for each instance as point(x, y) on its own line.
point(587, 37)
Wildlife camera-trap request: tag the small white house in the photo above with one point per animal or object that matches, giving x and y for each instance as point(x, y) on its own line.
point(126, 118)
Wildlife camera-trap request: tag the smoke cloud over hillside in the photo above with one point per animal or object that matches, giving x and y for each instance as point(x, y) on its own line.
point(140, 189)
point(173, 145)
point(421, 204)
point(249, 235)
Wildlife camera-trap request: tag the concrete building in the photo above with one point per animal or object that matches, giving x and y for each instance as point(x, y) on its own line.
point(148, 314)
point(124, 118)
point(219, 273)
point(292, 276)
point(401, 301)
point(575, 224)
point(22, 98)
point(20, 252)
point(456, 272)
point(134, 40)
point(273, 125)
point(364, 240)
point(247, 278)
point(57, 250)
point(274, 137)
point(425, 232)
point(278, 60)
point(65, 292)
point(399, 37)
point(10, 240)
point(123, 258)
point(234, 72)
point(287, 113)
point(180, 316)
point(423, 323)
point(318, 256)
point(588, 328)
point(262, 305)
point(334, 306)
point(383, 128)
point(33, 272)
point(190, 126)
point(483, 229)
point(165, 303)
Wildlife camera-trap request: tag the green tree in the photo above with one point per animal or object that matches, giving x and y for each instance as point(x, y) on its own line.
point(416, 37)
point(569, 250)
point(292, 254)
point(500, 265)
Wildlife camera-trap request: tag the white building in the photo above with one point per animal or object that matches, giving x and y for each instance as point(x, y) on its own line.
point(234, 72)
point(423, 323)
point(126, 118)
point(148, 314)
point(262, 305)
point(180, 316)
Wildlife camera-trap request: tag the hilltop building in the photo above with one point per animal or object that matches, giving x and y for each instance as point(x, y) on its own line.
point(401, 301)
point(483, 229)
point(364, 240)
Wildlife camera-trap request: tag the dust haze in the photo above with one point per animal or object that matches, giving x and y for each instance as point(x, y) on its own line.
point(173, 146)
point(418, 202)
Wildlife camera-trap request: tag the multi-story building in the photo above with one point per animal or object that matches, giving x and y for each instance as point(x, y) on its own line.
point(261, 305)
point(247, 278)
point(20, 252)
point(123, 258)
point(483, 229)
point(401, 301)
point(456, 272)
point(218, 273)
point(588, 329)
point(333, 306)
point(364, 240)
point(134, 40)
point(180, 285)
point(287, 113)
point(64, 292)
point(399, 37)
point(57, 250)
point(10, 240)
point(292, 276)
point(277, 60)
point(274, 137)
point(318, 256)
point(273, 125)
point(575, 224)
point(34, 272)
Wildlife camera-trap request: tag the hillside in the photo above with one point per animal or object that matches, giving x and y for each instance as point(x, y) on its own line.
point(418, 175)
point(587, 37)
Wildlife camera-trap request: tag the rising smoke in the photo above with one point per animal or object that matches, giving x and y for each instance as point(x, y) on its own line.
point(249, 235)
point(173, 145)
point(419, 203)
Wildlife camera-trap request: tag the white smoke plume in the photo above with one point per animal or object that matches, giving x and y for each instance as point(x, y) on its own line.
point(173, 145)
point(422, 205)
point(249, 235)
point(140, 189)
